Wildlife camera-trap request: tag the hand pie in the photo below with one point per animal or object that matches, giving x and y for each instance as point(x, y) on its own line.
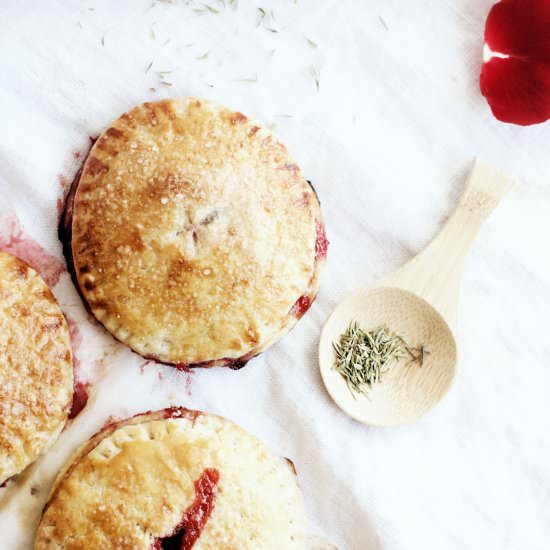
point(193, 236)
point(174, 479)
point(36, 372)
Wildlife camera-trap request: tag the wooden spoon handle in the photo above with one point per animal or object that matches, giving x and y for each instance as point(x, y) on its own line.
point(435, 274)
point(485, 188)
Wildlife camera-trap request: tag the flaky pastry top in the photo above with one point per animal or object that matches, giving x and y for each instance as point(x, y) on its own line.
point(36, 372)
point(193, 233)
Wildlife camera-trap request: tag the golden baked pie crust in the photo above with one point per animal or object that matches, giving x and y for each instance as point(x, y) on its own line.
point(36, 372)
point(194, 233)
point(131, 484)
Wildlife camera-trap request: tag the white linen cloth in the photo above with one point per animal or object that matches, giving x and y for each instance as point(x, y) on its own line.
point(387, 140)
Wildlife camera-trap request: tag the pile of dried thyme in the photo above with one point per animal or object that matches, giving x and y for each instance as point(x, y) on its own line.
point(363, 357)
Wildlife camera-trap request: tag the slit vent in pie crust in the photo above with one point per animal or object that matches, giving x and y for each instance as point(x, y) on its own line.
point(193, 236)
point(137, 484)
point(36, 371)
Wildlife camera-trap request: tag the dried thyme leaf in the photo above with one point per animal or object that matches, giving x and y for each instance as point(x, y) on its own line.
point(315, 73)
point(310, 42)
point(205, 8)
point(362, 357)
point(252, 79)
point(263, 15)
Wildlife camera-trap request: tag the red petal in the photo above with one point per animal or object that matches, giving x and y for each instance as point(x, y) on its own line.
point(518, 87)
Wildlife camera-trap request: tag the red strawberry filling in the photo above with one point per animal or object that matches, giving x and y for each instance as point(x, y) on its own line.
point(80, 399)
point(515, 77)
point(303, 303)
point(299, 309)
point(321, 243)
point(188, 531)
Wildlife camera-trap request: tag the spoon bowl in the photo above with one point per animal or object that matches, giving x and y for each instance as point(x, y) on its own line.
point(419, 302)
point(407, 391)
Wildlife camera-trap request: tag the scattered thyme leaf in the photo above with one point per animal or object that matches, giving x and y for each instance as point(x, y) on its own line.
point(310, 42)
point(284, 116)
point(103, 39)
point(263, 15)
point(205, 8)
point(148, 67)
point(204, 55)
point(251, 79)
point(384, 24)
point(315, 73)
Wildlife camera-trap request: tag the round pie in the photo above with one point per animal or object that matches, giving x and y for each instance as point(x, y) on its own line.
point(193, 237)
point(36, 372)
point(174, 479)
